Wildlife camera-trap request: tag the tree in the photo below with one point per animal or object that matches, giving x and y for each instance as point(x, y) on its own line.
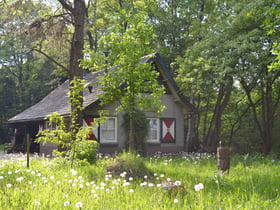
point(23, 82)
point(234, 47)
point(129, 81)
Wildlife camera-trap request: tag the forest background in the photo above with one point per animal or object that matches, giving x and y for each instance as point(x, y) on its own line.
point(222, 54)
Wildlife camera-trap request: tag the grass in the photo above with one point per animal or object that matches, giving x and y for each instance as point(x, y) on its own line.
point(253, 183)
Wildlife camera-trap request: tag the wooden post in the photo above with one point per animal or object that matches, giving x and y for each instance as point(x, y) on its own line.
point(223, 156)
point(27, 149)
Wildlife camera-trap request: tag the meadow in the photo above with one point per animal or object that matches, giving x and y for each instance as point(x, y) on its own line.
point(252, 183)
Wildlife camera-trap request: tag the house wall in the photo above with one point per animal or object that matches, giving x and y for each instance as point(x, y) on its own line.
point(173, 110)
point(47, 148)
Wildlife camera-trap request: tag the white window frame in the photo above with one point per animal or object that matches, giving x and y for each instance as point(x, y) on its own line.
point(47, 125)
point(157, 140)
point(104, 141)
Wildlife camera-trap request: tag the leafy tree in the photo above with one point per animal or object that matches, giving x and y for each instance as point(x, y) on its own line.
point(233, 47)
point(23, 82)
point(134, 83)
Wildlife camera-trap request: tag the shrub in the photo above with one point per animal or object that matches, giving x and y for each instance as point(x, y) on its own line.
point(87, 150)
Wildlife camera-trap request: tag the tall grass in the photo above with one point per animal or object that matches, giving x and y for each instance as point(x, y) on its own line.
point(252, 183)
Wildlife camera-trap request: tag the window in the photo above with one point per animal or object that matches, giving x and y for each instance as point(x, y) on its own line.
point(108, 131)
point(49, 126)
point(153, 132)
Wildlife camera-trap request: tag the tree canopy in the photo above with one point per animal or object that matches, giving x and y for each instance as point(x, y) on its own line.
point(223, 54)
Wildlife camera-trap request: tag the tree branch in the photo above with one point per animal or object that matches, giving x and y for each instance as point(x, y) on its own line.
point(51, 59)
point(66, 6)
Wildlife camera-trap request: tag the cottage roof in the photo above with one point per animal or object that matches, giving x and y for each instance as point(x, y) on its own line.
point(57, 100)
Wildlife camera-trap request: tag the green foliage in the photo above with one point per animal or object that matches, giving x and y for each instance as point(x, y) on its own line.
point(127, 80)
point(87, 151)
point(72, 142)
point(141, 125)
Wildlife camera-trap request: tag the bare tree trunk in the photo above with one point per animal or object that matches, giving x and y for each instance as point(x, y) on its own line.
point(214, 131)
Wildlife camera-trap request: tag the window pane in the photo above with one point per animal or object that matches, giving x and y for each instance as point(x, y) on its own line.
point(108, 130)
point(153, 130)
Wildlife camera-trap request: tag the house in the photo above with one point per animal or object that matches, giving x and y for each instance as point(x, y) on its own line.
point(166, 133)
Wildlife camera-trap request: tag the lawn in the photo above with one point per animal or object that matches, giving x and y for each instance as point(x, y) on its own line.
point(252, 183)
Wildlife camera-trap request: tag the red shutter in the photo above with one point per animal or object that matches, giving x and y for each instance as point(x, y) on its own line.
point(94, 132)
point(168, 126)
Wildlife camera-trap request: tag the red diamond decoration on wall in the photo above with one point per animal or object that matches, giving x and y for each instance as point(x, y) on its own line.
point(168, 130)
point(94, 132)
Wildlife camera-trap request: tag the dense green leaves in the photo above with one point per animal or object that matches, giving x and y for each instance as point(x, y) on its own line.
point(224, 54)
point(127, 80)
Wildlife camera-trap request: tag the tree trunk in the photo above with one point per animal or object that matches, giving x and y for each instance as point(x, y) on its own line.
point(191, 121)
point(131, 134)
point(188, 142)
point(77, 47)
point(267, 117)
point(214, 131)
point(267, 112)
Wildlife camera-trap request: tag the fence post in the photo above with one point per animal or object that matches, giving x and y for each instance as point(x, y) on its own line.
point(223, 156)
point(27, 150)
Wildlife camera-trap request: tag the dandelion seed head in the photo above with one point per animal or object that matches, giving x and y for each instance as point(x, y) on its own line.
point(79, 204)
point(198, 187)
point(150, 185)
point(19, 179)
point(37, 203)
point(66, 203)
point(131, 191)
point(176, 200)
point(177, 183)
point(8, 185)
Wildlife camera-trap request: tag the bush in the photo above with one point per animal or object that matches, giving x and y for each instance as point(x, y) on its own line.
point(87, 150)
